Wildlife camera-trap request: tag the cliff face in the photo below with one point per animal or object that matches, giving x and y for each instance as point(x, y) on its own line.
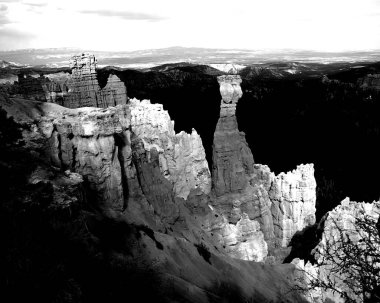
point(138, 172)
point(261, 212)
point(105, 146)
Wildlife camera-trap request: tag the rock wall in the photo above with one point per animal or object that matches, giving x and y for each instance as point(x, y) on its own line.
point(260, 211)
point(123, 152)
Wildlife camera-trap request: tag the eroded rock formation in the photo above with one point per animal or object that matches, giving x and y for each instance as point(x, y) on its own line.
point(98, 144)
point(260, 211)
point(182, 157)
point(137, 172)
point(232, 158)
point(84, 87)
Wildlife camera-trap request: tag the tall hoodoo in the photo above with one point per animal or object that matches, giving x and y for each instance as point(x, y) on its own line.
point(232, 158)
point(260, 211)
point(85, 87)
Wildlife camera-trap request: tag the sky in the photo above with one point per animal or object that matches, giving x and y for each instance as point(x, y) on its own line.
point(123, 25)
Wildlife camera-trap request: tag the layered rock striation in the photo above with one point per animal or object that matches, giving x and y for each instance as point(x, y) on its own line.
point(260, 211)
point(84, 87)
point(232, 158)
point(117, 148)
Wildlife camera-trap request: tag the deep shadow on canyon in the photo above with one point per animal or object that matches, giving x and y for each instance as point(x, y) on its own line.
point(288, 120)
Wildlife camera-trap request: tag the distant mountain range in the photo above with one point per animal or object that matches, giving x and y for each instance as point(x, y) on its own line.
point(58, 57)
point(6, 64)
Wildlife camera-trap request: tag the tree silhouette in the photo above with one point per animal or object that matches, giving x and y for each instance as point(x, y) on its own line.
point(347, 261)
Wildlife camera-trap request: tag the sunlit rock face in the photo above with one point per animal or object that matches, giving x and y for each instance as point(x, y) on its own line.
point(292, 196)
point(335, 226)
point(126, 154)
point(182, 158)
point(270, 208)
point(84, 87)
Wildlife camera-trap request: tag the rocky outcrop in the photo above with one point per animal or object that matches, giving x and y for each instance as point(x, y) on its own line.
point(269, 208)
point(341, 228)
point(84, 87)
point(182, 157)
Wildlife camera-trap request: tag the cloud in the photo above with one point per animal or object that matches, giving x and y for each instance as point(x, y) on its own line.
point(12, 38)
point(36, 4)
point(3, 14)
point(124, 15)
point(4, 20)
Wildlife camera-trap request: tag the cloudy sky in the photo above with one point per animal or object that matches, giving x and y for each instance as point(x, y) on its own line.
point(327, 25)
